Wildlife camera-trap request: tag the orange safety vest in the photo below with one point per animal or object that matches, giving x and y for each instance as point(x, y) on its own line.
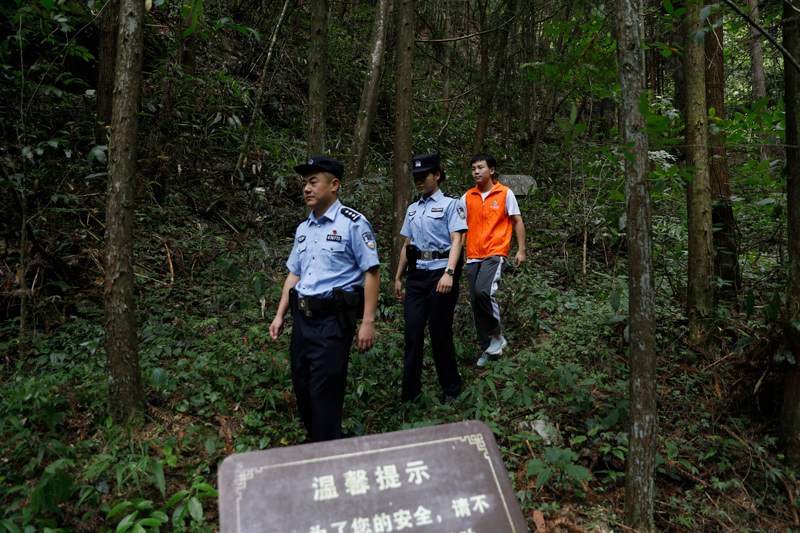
point(489, 228)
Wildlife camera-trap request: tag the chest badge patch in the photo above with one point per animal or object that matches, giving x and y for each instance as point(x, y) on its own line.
point(411, 214)
point(369, 239)
point(301, 238)
point(437, 209)
point(336, 238)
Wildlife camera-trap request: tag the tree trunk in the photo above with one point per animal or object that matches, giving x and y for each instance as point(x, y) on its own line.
point(448, 28)
point(260, 94)
point(189, 42)
point(757, 70)
point(790, 413)
point(369, 96)
point(401, 180)
point(486, 92)
point(726, 243)
point(640, 472)
point(126, 400)
point(107, 57)
point(317, 71)
point(489, 81)
point(700, 297)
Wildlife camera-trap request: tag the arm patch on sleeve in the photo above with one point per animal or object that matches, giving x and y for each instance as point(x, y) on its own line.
point(349, 213)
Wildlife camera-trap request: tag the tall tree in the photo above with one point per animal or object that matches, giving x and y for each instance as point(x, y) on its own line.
point(126, 400)
point(369, 96)
point(317, 71)
point(485, 107)
point(487, 81)
point(726, 242)
point(640, 474)
point(402, 123)
point(192, 13)
point(790, 413)
point(107, 57)
point(700, 298)
point(757, 69)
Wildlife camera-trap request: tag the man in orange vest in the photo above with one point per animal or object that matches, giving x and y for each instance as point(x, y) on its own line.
point(491, 211)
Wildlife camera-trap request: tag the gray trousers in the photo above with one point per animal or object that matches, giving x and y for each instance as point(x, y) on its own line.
point(484, 277)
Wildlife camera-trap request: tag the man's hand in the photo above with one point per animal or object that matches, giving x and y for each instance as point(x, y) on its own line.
point(519, 258)
point(398, 289)
point(445, 283)
point(366, 336)
point(276, 328)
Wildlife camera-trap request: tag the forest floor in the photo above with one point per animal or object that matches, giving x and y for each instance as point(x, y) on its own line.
point(208, 281)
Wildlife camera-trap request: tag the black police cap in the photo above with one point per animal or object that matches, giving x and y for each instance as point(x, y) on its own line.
point(320, 163)
point(424, 163)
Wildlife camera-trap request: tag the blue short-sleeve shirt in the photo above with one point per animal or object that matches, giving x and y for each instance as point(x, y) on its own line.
point(429, 223)
point(334, 250)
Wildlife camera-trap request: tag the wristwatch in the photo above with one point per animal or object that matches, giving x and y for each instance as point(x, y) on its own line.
point(450, 271)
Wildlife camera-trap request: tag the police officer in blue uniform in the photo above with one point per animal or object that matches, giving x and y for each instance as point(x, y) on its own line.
point(334, 252)
point(433, 229)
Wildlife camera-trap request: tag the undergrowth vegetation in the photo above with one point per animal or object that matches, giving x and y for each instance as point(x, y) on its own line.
point(217, 385)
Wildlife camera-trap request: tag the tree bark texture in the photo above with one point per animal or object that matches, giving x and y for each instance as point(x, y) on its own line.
point(401, 180)
point(700, 297)
point(640, 472)
point(317, 71)
point(790, 412)
point(125, 394)
point(726, 241)
point(757, 70)
point(107, 57)
point(369, 96)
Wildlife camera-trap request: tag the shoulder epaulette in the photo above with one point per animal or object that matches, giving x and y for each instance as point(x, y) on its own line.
point(351, 214)
point(453, 196)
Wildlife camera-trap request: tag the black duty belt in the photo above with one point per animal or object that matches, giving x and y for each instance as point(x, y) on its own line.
point(347, 306)
point(316, 307)
point(413, 253)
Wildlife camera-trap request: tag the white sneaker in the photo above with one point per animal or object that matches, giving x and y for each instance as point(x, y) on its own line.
point(496, 345)
point(485, 358)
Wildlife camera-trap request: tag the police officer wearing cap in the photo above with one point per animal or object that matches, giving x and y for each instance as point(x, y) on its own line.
point(334, 252)
point(433, 229)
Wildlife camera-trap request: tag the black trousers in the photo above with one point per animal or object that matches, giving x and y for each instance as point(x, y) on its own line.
point(424, 305)
point(320, 352)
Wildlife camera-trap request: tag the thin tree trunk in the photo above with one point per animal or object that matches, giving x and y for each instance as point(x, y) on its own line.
point(726, 245)
point(401, 180)
point(260, 94)
point(757, 71)
point(189, 42)
point(126, 400)
point(790, 412)
point(700, 297)
point(23, 277)
point(486, 92)
point(640, 472)
point(317, 72)
point(107, 57)
point(369, 96)
point(448, 28)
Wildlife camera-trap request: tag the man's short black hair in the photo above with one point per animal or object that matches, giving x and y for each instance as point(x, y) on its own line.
point(490, 161)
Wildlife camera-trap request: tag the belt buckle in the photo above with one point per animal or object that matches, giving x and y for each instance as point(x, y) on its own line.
point(426, 255)
point(302, 305)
